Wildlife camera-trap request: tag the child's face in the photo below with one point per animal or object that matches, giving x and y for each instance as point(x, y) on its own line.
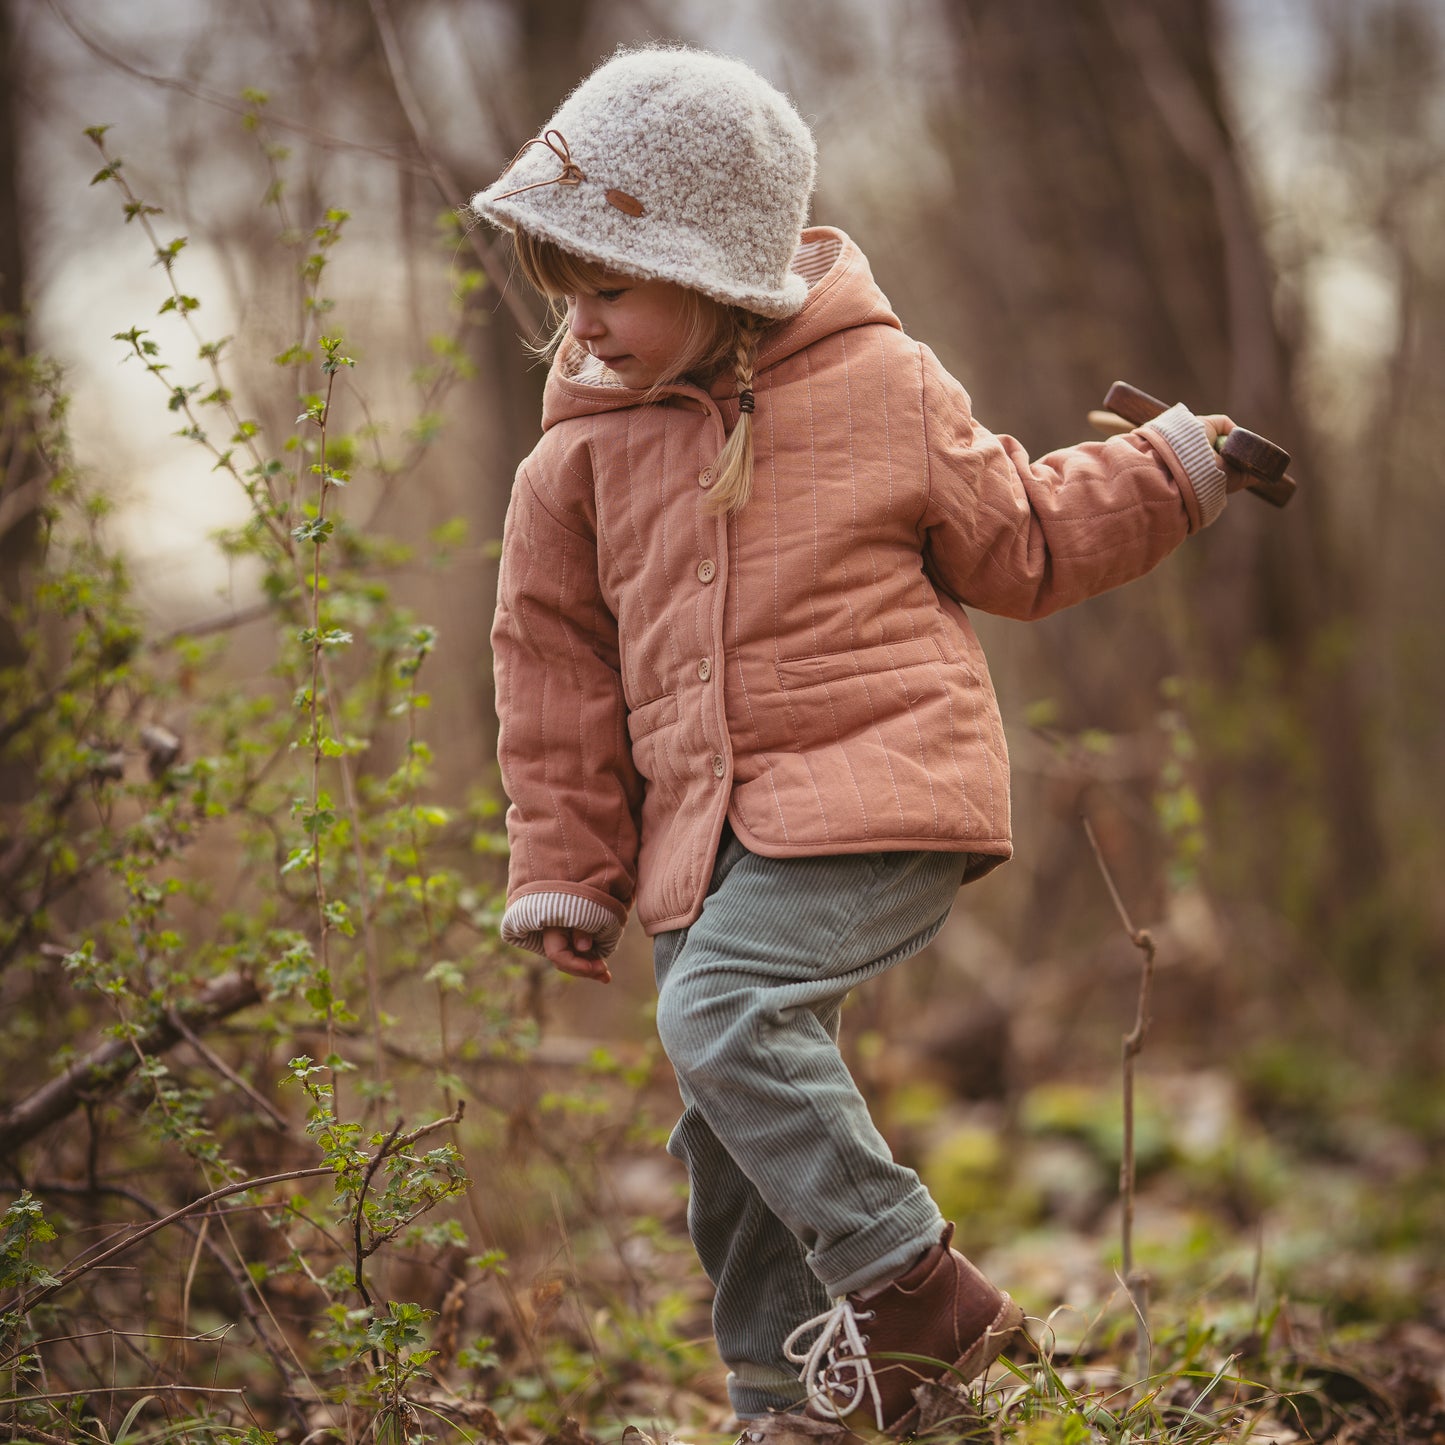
point(640, 330)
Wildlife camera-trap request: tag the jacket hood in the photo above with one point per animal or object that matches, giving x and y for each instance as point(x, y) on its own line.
point(842, 294)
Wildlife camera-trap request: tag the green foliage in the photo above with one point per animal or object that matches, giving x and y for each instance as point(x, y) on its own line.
point(143, 756)
point(230, 900)
point(25, 1227)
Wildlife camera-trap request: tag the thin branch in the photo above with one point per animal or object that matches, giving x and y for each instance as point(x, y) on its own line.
point(521, 1321)
point(226, 1071)
point(126, 1390)
point(134, 1237)
point(1135, 1281)
point(205, 626)
point(203, 1230)
point(359, 1216)
point(221, 101)
point(215, 1336)
point(451, 193)
point(405, 1141)
point(255, 1305)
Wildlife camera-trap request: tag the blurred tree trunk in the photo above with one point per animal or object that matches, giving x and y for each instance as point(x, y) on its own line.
point(20, 495)
point(10, 256)
point(553, 53)
point(555, 45)
point(1097, 186)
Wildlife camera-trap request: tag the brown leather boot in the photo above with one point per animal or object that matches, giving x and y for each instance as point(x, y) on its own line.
point(948, 1321)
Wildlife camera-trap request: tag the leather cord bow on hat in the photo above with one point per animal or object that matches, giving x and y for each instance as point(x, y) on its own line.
point(571, 174)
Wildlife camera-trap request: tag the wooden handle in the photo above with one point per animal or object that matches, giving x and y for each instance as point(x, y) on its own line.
point(1132, 404)
point(1246, 451)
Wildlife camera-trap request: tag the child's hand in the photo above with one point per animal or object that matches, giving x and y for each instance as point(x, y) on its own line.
point(570, 950)
point(1236, 478)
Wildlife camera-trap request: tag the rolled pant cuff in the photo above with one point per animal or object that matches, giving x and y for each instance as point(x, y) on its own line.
point(881, 1251)
point(756, 1391)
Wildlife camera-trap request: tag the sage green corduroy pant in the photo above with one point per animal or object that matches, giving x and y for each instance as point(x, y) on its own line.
point(795, 1197)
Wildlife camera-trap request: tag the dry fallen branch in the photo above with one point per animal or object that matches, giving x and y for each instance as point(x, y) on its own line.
point(106, 1067)
point(20, 1430)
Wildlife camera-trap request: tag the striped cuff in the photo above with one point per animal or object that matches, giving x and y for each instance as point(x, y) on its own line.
point(524, 920)
point(1187, 439)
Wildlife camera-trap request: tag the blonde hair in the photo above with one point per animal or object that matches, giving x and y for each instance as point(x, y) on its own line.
point(717, 335)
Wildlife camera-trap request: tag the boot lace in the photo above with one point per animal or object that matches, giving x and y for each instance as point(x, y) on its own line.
point(837, 1373)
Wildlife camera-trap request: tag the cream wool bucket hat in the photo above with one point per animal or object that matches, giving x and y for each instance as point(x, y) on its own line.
point(671, 164)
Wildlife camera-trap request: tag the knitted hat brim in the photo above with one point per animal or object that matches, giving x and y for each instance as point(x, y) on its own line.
point(775, 305)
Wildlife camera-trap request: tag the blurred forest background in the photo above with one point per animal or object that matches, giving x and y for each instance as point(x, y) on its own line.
point(236, 832)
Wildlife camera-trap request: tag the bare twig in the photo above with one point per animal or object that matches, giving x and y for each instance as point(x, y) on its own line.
point(214, 1336)
point(1135, 1281)
point(206, 626)
point(406, 97)
point(126, 1390)
point(276, 1342)
point(576, 1280)
point(226, 1071)
point(132, 1238)
point(520, 1322)
point(327, 140)
point(361, 1251)
point(202, 1232)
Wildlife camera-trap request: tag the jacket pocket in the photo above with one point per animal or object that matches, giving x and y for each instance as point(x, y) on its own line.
point(875, 661)
point(647, 717)
point(648, 727)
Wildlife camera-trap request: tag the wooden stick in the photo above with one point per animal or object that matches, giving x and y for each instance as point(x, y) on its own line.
point(1246, 451)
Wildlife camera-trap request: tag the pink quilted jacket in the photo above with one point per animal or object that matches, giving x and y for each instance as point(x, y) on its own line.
point(803, 669)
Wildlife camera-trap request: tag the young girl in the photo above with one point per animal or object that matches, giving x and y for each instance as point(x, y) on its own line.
point(738, 688)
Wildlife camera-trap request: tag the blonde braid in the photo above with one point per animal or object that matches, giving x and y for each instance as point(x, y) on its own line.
point(734, 465)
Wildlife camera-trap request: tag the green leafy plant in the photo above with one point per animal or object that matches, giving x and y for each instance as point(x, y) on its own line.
point(296, 1261)
point(338, 866)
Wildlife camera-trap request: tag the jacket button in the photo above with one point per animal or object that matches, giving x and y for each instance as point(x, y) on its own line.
point(719, 765)
point(704, 477)
point(706, 570)
point(704, 668)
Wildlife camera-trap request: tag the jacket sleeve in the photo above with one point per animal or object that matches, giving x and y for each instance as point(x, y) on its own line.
point(566, 761)
point(1025, 538)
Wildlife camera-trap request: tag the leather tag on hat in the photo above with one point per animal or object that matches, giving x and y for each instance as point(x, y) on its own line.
point(628, 204)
